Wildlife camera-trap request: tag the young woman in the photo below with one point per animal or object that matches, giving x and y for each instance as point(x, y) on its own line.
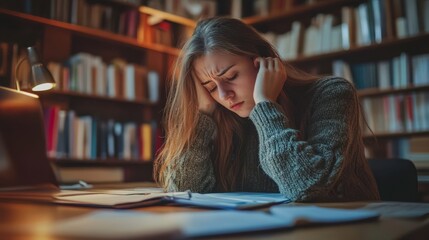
point(238, 119)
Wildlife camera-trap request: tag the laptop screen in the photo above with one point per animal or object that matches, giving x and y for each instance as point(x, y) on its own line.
point(23, 157)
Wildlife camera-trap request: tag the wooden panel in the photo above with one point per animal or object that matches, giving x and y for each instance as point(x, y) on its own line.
point(56, 44)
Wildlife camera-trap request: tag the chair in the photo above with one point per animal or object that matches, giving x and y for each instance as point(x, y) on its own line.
point(396, 179)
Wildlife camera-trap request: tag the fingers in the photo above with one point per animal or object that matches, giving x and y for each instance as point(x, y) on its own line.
point(276, 64)
point(269, 63)
point(269, 80)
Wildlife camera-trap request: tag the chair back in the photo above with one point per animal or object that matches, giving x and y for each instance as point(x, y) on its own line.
point(396, 179)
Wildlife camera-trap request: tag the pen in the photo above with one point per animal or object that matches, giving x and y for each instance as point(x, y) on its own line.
point(83, 184)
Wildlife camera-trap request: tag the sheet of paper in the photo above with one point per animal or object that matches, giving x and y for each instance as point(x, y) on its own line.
point(125, 224)
point(221, 222)
point(257, 197)
point(313, 214)
point(234, 200)
point(399, 209)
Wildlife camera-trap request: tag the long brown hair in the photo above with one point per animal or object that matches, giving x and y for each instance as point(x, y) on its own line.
point(181, 111)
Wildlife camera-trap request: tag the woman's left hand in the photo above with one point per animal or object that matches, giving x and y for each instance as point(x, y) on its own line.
point(269, 80)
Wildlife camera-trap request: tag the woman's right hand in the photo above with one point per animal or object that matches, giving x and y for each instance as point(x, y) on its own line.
point(206, 103)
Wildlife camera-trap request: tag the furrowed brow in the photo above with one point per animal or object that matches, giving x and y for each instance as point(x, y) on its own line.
point(225, 70)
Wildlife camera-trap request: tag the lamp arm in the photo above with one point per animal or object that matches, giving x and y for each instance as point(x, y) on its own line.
point(20, 61)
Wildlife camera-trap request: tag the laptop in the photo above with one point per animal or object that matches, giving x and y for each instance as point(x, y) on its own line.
point(23, 156)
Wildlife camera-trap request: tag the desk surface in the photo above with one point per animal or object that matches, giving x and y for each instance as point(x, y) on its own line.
point(39, 218)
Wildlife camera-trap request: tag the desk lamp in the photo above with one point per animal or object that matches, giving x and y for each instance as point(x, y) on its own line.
point(41, 78)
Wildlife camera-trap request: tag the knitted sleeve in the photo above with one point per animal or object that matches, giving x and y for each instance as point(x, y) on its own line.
point(193, 170)
point(302, 168)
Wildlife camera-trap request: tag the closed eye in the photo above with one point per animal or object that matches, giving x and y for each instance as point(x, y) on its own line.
point(233, 77)
point(213, 89)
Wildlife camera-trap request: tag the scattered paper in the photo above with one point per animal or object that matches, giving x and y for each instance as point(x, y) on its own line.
point(302, 215)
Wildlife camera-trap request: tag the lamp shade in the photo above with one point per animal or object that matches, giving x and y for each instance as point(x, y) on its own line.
point(41, 78)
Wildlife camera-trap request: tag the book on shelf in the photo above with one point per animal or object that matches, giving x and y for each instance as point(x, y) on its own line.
point(398, 72)
point(397, 113)
point(412, 148)
point(88, 74)
point(87, 137)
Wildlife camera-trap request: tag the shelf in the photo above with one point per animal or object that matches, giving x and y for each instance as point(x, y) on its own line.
point(380, 136)
point(367, 51)
point(98, 162)
point(92, 32)
point(74, 95)
point(296, 12)
point(168, 16)
point(375, 92)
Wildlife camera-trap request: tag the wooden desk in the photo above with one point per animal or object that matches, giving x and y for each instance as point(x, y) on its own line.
point(39, 218)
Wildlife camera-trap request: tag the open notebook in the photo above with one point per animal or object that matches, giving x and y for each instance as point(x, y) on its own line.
point(26, 173)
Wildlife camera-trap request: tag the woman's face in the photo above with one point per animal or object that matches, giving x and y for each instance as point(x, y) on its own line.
point(229, 79)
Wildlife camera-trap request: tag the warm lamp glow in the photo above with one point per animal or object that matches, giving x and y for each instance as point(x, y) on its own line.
point(41, 78)
point(21, 92)
point(43, 87)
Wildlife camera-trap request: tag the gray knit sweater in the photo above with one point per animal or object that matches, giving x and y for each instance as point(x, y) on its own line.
point(300, 164)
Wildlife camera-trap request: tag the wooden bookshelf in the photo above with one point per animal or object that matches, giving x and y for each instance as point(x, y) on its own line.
point(375, 92)
point(90, 32)
point(68, 162)
point(391, 135)
point(300, 11)
point(120, 109)
point(71, 38)
point(296, 12)
point(91, 97)
point(58, 41)
point(168, 16)
point(388, 47)
point(130, 170)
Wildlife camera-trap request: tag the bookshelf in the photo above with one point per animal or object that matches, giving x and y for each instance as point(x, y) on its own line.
point(61, 40)
point(325, 16)
point(386, 63)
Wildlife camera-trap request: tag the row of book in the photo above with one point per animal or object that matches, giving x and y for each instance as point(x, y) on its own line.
point(234, 8)
point(414, 149)
point(96, 15)
point(356, 26)
point(120, 17)
point(411, 17)
point(399, 72)
point(397, 113)
point(86, 73)
point(87, 137)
